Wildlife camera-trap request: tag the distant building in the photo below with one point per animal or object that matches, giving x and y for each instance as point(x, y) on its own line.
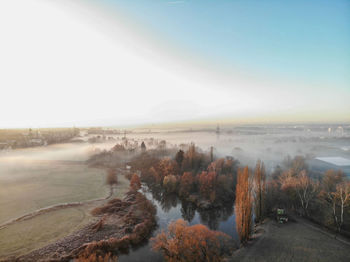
point(337, 161)
point(322, 164)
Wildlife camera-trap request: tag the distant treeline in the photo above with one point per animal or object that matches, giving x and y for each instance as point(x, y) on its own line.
point(20, 138)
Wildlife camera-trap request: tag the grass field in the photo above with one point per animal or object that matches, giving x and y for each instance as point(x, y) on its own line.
point(37, 178)
point(24, 236)
point(30, 186)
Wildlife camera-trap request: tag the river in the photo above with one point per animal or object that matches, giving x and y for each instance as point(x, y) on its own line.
point(171, 208)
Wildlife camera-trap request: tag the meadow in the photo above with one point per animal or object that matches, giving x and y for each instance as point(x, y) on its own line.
point(24, 236)
point(28, 187)
point(38, 178)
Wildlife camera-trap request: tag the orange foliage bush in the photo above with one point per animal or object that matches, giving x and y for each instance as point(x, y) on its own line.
point(135, 183)
point(182, 243)
point(167, 167)
point(170, 183)
point(154, 175)
point(207, 185)
point(113, 206)
point(186, 184)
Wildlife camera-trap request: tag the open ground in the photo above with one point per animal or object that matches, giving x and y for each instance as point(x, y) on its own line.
point(28, 185)
point(293, 241)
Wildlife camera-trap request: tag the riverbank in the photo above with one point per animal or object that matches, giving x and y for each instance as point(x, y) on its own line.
point(120, 223)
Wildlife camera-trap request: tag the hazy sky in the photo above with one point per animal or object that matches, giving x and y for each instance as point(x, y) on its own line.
point(122, 62)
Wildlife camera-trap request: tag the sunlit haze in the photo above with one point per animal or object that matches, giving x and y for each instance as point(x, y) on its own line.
point(175, 130)
point(89, 63)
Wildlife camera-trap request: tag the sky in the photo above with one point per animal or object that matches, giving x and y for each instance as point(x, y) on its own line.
point(122, 62)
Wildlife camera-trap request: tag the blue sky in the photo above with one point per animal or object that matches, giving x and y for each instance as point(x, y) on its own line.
point(85, 62)
point(307, 41)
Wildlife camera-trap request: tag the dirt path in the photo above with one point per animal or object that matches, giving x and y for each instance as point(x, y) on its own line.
point(294, 241)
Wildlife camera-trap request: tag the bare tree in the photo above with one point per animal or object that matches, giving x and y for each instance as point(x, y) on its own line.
point(111, 179)
point(143, 146)
point(336, 192)
point(301, 186)
point(306, 190)
point(342, 194)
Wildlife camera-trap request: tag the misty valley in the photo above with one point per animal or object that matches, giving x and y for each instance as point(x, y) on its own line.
point(174, 131)
point(129, 194)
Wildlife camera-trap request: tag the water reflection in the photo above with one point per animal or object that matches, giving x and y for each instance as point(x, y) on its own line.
point(213, 217)
point(169, 201)
point(188, 210)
